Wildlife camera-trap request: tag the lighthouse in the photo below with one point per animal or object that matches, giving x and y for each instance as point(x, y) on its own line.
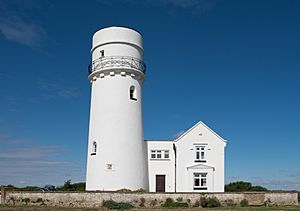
point(117, 153)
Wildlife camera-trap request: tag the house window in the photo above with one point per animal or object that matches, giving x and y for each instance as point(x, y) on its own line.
point(132, 93)
point(101, 53)
point(200, 153)
point(200, 181)
point(153, 154)
point(94, 148)
point(160, 154)
point(167, 155)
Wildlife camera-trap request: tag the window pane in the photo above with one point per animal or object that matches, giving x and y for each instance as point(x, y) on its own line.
point(197, 155)
point(203, 182)
point(158, 155)
point(202, 155)
point(196, 182)
point(166, 154)
point(152, 155)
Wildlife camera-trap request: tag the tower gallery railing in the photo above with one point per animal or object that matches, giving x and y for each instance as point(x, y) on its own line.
point(117, 61)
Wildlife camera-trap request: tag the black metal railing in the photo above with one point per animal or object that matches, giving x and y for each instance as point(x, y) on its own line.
point(115, 62)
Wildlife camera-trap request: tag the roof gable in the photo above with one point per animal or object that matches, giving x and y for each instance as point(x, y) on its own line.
point(205, 126)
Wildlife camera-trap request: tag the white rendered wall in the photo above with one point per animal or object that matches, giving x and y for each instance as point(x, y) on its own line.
point(116, 122)
point(161, 166)
point(200, 134)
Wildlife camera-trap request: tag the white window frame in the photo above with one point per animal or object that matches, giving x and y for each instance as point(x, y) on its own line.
point(200, 152)
point(160, 154)
point(202, 177)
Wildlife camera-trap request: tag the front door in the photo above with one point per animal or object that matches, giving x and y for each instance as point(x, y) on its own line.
point(160, 183)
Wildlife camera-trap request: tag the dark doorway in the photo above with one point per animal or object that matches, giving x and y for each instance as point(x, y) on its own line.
point(160, 183)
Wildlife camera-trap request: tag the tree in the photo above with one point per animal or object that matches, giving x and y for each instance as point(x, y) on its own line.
point(241, 186)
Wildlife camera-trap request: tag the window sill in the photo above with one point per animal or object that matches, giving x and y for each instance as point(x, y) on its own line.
point(200, 188)
point(200, 161)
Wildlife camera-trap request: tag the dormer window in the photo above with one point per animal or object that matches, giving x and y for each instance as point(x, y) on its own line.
point(200, 153)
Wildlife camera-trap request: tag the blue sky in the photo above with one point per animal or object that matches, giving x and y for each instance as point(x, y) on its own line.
point(232, 64)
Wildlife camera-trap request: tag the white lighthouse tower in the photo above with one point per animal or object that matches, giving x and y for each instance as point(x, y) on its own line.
point(116, 149)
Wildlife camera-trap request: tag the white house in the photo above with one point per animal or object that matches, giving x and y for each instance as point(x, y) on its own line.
point(118, 157)
point(194, 162)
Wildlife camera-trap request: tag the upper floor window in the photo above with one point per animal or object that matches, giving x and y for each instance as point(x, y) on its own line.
point(200, 182)
point(132, 93)
point(94, 148)
point(160, 154)
point(200, 153)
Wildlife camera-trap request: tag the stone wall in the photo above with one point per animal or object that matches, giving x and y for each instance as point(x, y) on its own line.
point(94, 199)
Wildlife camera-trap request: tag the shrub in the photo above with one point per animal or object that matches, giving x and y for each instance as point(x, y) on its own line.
point(111, 204)
point(170, 203)
point(244, 203)
point(209, 202)
point(143, 200)
point(124, 190)
point(141, 190)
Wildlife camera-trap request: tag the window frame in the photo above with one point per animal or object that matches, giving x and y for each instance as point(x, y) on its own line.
point(94, 148)
point(200, 153)
point(202, 180)
point(159, 154)
point(132, 93)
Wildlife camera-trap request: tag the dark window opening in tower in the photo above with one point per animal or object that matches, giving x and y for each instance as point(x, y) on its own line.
point(132, 93)
point(94, 149)
point(101, 53)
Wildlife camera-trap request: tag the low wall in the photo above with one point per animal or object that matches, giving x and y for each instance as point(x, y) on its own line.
point(95, 199)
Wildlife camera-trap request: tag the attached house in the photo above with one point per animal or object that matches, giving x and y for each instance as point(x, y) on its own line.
point(194, 162)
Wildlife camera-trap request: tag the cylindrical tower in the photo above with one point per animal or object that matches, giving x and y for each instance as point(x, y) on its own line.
point(116, 149)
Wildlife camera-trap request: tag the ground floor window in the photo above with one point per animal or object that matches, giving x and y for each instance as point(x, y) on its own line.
point(200, 181)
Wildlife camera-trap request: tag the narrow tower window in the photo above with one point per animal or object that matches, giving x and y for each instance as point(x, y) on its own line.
point(102, 53)
point(94, 148)
point(132, 93)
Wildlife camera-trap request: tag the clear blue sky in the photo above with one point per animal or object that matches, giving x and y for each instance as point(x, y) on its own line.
point(232, 64)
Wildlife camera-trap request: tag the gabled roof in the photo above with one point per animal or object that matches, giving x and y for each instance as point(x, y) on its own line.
point(198, 123)
point(200, 166)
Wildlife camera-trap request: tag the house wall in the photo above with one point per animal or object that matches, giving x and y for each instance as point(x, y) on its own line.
point(214, 156)
point(161, 166)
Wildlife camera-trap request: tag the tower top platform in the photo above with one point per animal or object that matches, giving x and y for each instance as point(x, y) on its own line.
point(116, 34)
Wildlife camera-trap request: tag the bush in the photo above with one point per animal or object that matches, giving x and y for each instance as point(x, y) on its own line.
point(141, 190)
point(170, 203)
point(229, 202)
point(197, 204)
point(244, 203)
point(124, 190)
point(111, 204)
point(209, 202)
